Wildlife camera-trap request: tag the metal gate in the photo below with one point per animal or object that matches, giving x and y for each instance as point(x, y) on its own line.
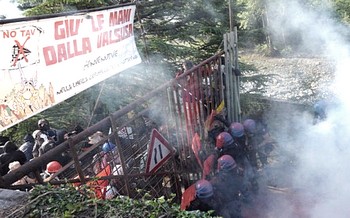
point(177, 111)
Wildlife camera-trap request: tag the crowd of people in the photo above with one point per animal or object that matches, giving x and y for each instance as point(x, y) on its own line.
point(101, 161)
point(231, 161)
point(235, 154)
point(34, 145)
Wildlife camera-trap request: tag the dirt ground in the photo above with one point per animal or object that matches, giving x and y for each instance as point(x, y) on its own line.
point(296, 79)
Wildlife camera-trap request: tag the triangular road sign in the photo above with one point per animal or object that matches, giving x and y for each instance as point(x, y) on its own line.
point(159, 151)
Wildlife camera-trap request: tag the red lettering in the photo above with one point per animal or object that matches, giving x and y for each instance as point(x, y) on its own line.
point(61, 52)
point(126, 15)
point(100, 22)
point(67, 28)
point(119, 17)
point(59, 31)
point(49, 55)
point(65, 51)
point(73, 28)
point(114, 36)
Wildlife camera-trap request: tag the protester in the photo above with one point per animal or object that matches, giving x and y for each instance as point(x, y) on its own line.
point(51, 168)
point(27, 146)
point(3, 140)
point(11, 154)
point(25, 179)
point(43, 143)
point(55, 135)
point(77, 129)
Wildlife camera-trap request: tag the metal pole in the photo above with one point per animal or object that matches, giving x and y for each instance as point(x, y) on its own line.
point(230, 15)
point(121, 155)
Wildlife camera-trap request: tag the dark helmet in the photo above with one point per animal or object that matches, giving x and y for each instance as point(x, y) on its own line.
point(10, 147)
point(223, 139)
point(226, 163)
point(249, 125)
point(43, 124)
point(108, 146)
point(3, 140)
point(236, 129)
point(187, 65)
point(204, 189)
point(78, 129)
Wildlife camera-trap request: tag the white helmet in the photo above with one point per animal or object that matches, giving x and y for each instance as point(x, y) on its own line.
point(35, 133)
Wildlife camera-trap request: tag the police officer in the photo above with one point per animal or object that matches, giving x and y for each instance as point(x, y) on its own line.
point(224, 144)
point(228, 184)
point(205, 199)
point(236, 130)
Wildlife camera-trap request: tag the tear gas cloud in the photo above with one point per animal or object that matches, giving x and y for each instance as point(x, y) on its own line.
point(321, 150)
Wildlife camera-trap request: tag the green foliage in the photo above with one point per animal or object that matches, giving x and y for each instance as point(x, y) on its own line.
point(342, 7)
point(42, 7)
point(67, 201)
point(252, 104)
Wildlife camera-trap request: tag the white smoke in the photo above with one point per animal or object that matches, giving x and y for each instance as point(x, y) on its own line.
point(322, 150)
point(9, 9)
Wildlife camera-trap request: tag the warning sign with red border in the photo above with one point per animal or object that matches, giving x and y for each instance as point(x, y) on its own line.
point(159, 151)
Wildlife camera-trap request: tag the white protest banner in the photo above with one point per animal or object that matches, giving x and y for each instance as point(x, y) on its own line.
point(46, 61)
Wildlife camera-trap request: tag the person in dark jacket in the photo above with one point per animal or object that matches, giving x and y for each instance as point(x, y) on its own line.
point(11, 154)
point(3, 140)
point(225, 144)
point(55, 135)
point(228, 185)
point(236, 130)
point(205, 199)
point(27, 146)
